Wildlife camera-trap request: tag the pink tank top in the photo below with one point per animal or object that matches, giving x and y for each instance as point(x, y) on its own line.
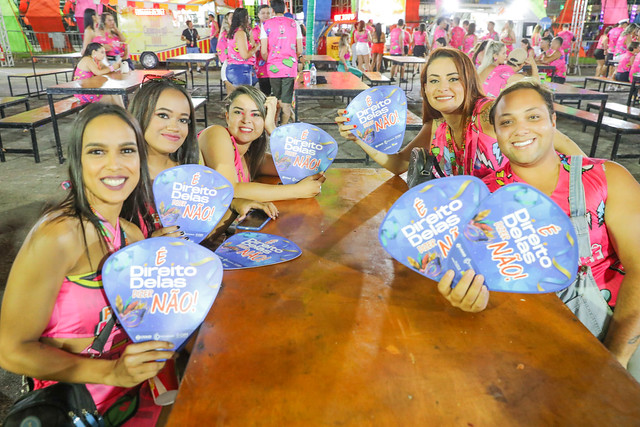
point(439, 33)
point(625, 62)
point(614, 34)
point(566, 39)
point(282, 33)
point(480, 154)
point(419, 38)
point(535, 39)
point(635, 67)
point(394, 38)
point(79, 74)
point(233, 54)
point(497, 80)
point(81, 310)
point(407, 38)
point(604, 262)
point(469, 42)
point(118, 46)
point(560, 64)
point(601, 42)
point(508, 41)
point(361, 37)
point(221, 47)
point(621, 45)
point(457, 37)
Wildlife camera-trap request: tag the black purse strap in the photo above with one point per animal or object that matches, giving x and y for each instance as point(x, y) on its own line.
point(100, 341)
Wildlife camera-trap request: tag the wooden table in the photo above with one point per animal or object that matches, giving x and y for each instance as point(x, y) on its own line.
point(115, 83)
point(329, 61)
point(564, 92)
point(406, 60)
point(344, 335)
point(338, 84)
point(197, 58)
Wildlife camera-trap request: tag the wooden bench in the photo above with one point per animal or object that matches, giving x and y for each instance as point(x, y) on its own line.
point(611, 124)
point(375, 78)
point(38, 77)
point(604, 81)
point(34, 118)
point(201, 102)
point(613, 108)
point(9, 101)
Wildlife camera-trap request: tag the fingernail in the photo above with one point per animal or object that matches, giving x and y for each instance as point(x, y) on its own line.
point(178, 227)
point(186, 238)
point(182, 233)
point(348, 120)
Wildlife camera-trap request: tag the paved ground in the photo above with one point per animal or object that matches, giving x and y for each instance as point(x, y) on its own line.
point(26, 186)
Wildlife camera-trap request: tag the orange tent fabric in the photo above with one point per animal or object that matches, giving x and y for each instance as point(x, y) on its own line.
point(44, 17)
point(567, 13)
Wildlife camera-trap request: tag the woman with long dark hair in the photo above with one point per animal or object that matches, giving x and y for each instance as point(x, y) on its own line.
point(456, 126)
point(378, 40)
point(238, 151)
point(90, 25)
point(241, 52)
point(68, 245)
point(166, 115)
point(91, 65)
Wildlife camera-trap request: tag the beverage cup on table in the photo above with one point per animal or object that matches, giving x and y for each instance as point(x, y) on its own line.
point(306, 77)
point(164, 386)
point(124, 67)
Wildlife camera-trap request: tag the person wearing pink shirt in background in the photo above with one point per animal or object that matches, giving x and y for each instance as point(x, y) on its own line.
point(264, 13)
point(567, 38)
point(470, 38)
point(457, 34)
point(492, 34)
point(281, 47)
point(408, 39)
point(626, 61)
point(440, 30)
point(625, 38)
point(508, 37)
point(420, 47)
point(215, 30)
point(614, 35)
point(396, 48)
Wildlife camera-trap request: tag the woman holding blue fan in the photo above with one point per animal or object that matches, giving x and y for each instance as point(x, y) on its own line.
point(167, 118)
point(67, 307)
point(456, 126)
point(238, 151)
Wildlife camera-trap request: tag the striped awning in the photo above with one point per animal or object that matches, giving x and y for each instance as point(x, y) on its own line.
point(161, 4)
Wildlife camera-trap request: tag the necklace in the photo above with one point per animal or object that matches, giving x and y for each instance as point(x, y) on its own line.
point(109, 232)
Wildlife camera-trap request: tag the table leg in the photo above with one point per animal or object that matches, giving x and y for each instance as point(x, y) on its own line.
point(56, 132)
point(632, 91)
point(206, 70)
point(596, 134)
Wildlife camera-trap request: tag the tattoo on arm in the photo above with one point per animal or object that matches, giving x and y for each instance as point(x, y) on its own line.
point(634, 340)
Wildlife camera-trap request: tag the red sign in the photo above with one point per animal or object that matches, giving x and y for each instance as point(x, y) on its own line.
point(344, 17)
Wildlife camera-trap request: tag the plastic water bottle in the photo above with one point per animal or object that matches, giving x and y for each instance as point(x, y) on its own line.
point(314, 73)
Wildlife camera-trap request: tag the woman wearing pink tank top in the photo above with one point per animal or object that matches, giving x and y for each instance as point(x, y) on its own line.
point(241, 50)
point(167, 118)
point(508, 37)
point(67, 305)
point(238, 151)
point(456, 126)
point(470, 39)
point(600, 53)
point(420, 44)
point(361, 47)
